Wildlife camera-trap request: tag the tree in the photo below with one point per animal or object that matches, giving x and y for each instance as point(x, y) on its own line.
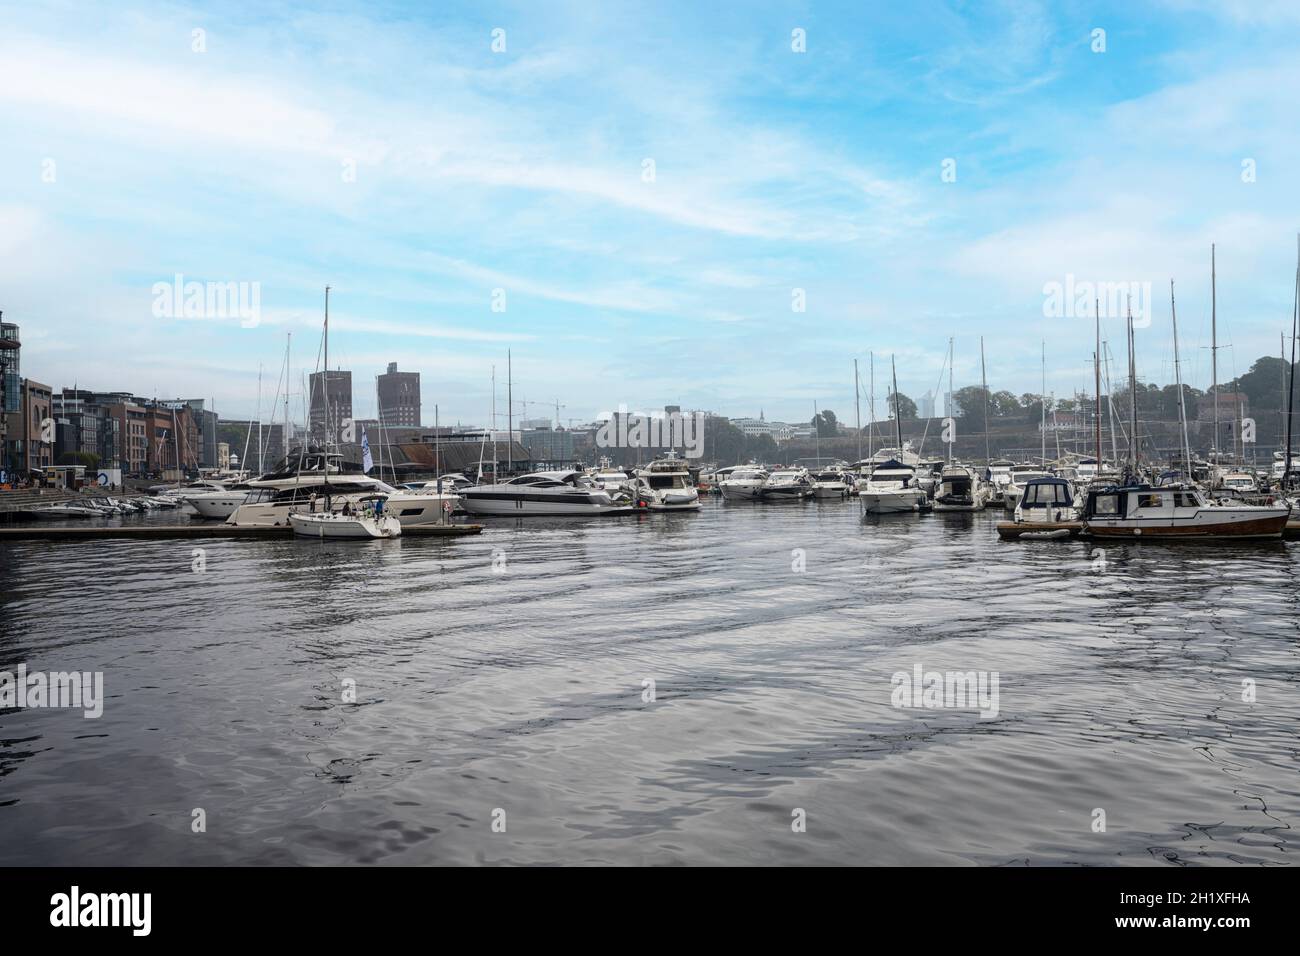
point(87, 458)
point(906, 407)
point(826, 424)
point(1004, 405)
point(972, 400)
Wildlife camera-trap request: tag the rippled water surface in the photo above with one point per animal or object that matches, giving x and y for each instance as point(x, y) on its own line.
point(517, 694)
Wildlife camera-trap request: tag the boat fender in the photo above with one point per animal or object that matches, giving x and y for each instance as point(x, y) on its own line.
point(1137, 531)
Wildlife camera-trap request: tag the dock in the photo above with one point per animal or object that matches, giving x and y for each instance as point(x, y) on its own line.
point(196, 530)
point(1013, 530)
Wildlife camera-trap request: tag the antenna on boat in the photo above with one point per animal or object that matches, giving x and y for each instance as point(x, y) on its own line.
point(857, 407)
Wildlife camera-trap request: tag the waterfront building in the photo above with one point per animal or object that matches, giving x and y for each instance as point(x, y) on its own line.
point(399, 398)
point(326, 424)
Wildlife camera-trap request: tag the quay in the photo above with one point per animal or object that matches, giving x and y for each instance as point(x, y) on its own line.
point(196, 530)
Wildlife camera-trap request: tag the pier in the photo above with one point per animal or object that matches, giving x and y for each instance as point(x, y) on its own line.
point(197, 530)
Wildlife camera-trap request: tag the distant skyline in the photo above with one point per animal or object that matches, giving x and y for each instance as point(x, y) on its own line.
point(647, 190)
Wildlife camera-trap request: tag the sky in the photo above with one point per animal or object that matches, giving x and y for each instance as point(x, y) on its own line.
point(635, 199)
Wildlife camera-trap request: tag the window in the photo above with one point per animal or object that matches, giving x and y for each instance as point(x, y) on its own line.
point(1106, 505)
point(1150, 501)
point(1185, 499)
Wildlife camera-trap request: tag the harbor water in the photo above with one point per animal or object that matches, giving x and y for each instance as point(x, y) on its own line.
point(703, 688)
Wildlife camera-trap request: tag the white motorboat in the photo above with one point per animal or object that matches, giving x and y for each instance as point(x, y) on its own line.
point(788, 484)
point(1176, 512)
point(744, 483)
point(1000, 472)
point(665, 485)
point(559, 493)
point(361, 522)
point(831, 483)
point(890, 489)
point(1046, 499)
point(65, 511)
point(960, 489)
point(1021, 475)
point(218, 504)
point(614, 480)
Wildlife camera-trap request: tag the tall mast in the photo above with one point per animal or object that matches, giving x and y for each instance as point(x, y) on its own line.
point(871, 403)
point(1096, 363)
point(1178, 380)
point(898, 415)
point(984, 379)
point(857, 407)
point(946, 410)
point(510, 419)
point(1110, 406)
point(1290, 398)
point(1214, 351)
point(325, 385)
point(493, 429)
point(1132, 395)
point(817, 436)
point(1042, 402)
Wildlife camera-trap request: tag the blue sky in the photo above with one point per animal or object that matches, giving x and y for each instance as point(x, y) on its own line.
point(523, 170)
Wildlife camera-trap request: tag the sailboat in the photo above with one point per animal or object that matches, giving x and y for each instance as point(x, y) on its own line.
point(892, 487)
point(365, 519)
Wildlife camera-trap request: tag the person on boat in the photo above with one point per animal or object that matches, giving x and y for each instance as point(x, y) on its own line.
point(347, 508)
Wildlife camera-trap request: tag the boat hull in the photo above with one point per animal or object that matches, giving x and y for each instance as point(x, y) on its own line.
point(335, 526)
point(737, 492)
point(1238, 525)
point(884, 503)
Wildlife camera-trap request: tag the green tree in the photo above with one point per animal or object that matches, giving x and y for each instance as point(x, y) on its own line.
point(906, 407)
point(826, 424)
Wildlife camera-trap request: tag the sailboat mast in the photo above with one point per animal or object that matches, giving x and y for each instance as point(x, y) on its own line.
point(871, 403)
point(1096, 364)
point(1132, 395)
point(1214, 351)
point(510, 411)
point(325, 386)
point(946, 409)
point(1290, 399)
point(857, 407)
point(817, 436)
point(493, 428)
point(984, 379)
point(1042, 403)
point(898, 415)
point(1178, 380)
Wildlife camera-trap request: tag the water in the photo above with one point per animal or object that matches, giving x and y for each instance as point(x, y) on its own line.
point(521, 690)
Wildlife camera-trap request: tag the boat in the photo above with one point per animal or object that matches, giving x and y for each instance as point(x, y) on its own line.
point(745, 483)
point(1000, 473)
point(614, 480)
point(788, 484)
point(561, 493)
point(368, 520)
point(1020, 476)
point(665, 485)
point(218, 504)
point(960, 489)
point(891, 488)
point(831, 483)
point(1046, 500)
point(1176, 512)
point(65, 511)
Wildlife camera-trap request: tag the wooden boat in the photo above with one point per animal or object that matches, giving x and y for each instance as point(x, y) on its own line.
point(1176, 512)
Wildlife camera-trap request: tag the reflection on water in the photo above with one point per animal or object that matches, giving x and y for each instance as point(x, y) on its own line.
point(770, 634)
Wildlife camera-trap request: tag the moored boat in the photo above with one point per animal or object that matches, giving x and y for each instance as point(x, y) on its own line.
point(1176, 512)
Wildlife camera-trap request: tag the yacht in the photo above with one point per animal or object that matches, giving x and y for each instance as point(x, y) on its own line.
point(665, 485)
point(999, 475)
point(890, 489)
point(831, 483)
point(217, 504)
point(1046, 499)
point(1175, 511)
point(745, 482)
point(543, 493)
point(960, 489)
point(614, 480)
point(788, 484)
point(1020, 476)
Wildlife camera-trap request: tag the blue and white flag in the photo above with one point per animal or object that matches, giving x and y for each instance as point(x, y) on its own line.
point(366, 461)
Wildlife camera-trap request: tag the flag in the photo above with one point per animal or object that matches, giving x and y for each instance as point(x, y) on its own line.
point(366, 461)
